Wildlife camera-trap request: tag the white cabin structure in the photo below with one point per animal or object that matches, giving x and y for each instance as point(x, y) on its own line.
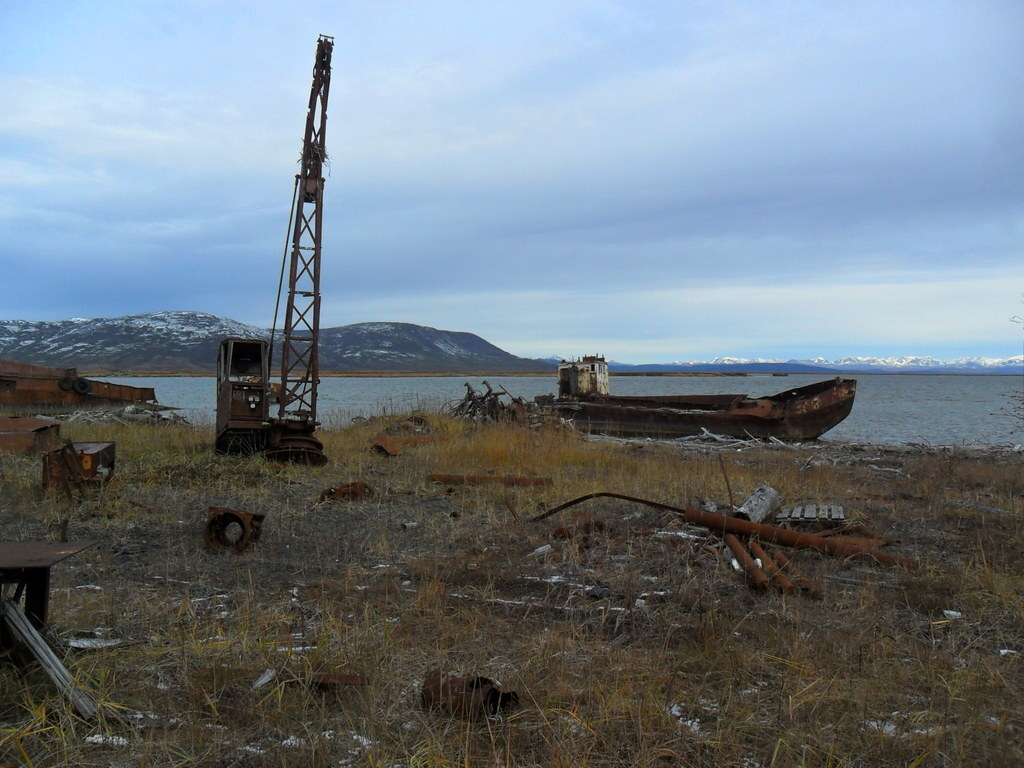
point(585, 377)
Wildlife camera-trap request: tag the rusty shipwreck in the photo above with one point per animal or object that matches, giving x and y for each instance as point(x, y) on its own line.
point(801, 413)
point(32, 386)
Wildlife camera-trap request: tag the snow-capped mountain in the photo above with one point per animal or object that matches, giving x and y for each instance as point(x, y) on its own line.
point(904, 364)
point(188, 341)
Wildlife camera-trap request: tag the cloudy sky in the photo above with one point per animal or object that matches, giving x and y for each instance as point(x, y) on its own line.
point(654, 181)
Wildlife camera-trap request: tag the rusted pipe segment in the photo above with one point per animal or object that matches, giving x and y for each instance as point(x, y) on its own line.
point(778, 578)
point(785, 564)
point(766, 533)
point(848, 533)
point(512, 510)
point(221, 518)
point(754, 573)
point(866, 542)
point(485, 479)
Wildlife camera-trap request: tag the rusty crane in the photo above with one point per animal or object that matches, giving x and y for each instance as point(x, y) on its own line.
point(244, 393)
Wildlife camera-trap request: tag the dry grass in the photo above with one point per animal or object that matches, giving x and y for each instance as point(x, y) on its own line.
point(627, 647)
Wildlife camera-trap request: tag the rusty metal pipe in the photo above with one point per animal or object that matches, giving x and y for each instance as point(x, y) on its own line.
point(778, 578)
point(754, 573)
point(766, 533)
point(805, 584)
point(484, 479)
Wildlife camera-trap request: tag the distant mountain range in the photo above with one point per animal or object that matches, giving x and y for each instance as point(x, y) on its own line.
point(846, 365)
point(187, 342)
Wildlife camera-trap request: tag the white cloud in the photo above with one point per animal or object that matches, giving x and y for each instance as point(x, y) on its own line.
point(659, 180)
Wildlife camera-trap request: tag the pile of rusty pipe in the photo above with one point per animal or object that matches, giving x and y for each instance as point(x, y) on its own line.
point(778, 578)
point(485, 479)
point(787, 566)
point(754, 572)
point(766, 533)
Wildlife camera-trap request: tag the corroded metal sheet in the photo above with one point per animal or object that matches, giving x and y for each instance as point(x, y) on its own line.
point(22, 384)
point(27, 433)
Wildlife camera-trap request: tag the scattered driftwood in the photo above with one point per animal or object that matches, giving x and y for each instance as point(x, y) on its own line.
point(759, 505)
point(489, 406)
point(22, 628)
point(129, 414)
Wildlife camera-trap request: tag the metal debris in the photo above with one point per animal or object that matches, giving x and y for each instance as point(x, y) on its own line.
point(392, 446)
point(766, 533)
point(24, 433)
point(27, 564)
point(348, 492)
point(473, 698)
point(786, 566)
point(22, 384)
point(508, 480)
point(757, 577)
point(233, 529)
point(79, 463)
point(19, 626)
point(775, 574)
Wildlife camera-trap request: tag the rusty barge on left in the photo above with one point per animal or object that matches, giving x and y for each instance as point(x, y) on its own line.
point(801, 413)
point(32, 386)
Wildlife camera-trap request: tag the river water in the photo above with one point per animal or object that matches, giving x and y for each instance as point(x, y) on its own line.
point(933, 409)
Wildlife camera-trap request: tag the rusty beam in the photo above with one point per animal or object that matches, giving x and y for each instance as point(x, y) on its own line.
point(349, 492)
point(392, 446)
point(488, 480)
point(766, 533)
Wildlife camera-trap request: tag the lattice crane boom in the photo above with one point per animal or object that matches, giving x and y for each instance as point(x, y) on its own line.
point(299, 357)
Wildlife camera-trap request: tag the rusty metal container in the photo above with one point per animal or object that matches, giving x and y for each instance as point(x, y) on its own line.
point(26, 433)
point(79, 463)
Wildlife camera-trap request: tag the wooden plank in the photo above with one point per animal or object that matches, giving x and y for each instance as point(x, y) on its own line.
point(20, 626)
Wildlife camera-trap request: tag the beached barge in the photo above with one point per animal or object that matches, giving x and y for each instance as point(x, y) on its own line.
point(24, 385)
point(801, 413)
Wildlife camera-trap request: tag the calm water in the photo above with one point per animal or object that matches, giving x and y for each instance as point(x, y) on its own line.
point(935, 409)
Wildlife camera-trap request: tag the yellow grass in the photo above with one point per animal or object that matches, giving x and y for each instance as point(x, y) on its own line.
point(627, 647)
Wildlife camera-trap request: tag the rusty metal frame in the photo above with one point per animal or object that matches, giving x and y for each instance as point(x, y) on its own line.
point(299, 358)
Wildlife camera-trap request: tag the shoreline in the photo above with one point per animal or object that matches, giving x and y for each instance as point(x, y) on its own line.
point(552, 373)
